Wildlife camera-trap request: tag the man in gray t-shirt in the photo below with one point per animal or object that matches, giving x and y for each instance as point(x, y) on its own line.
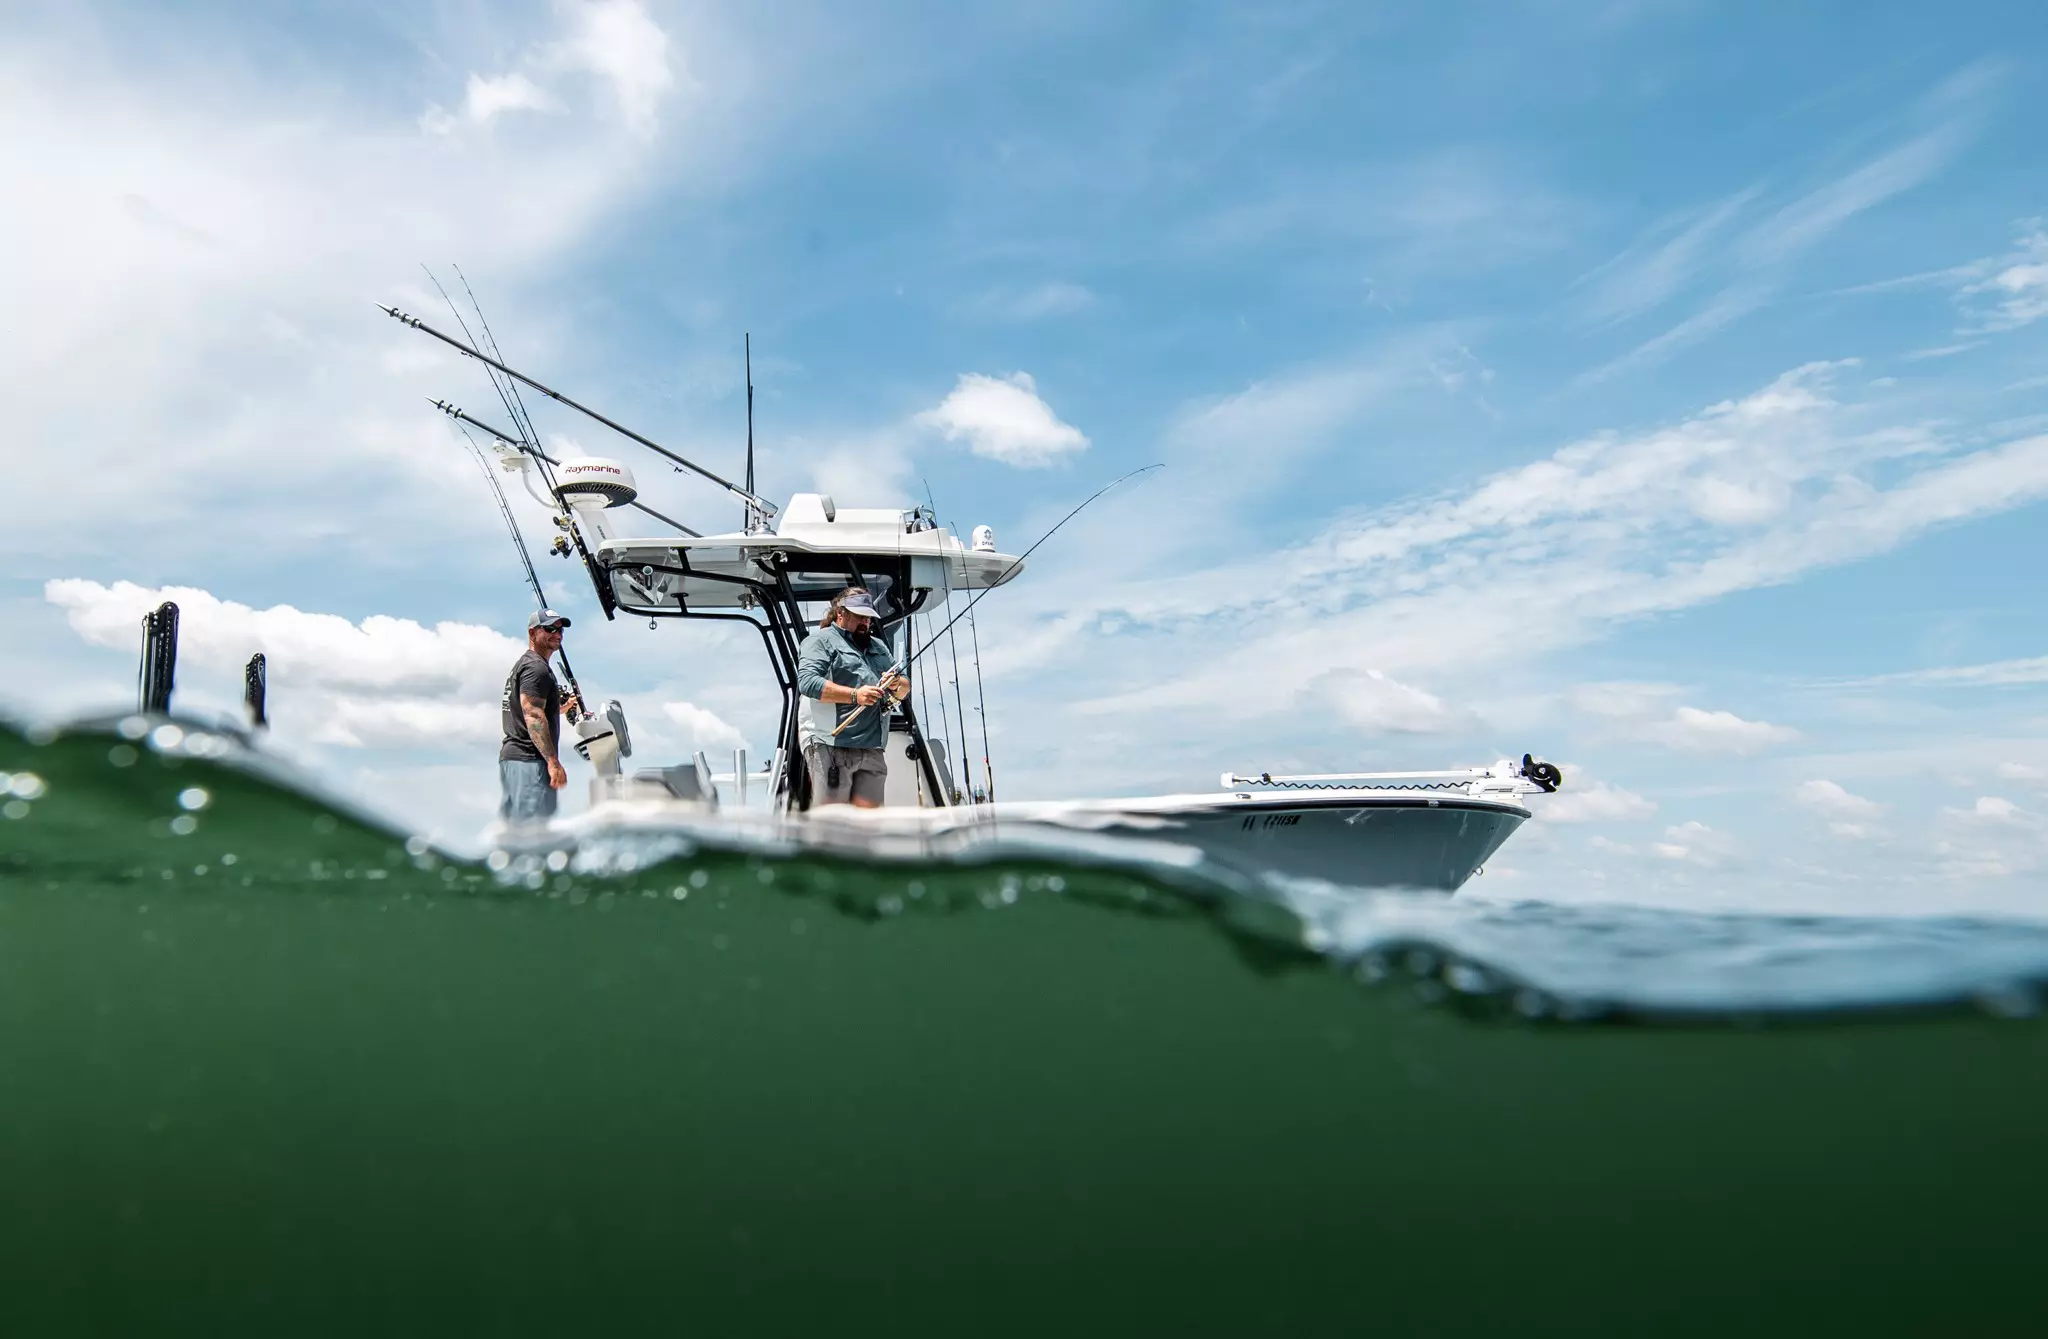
point(847, 669)
point(529, 759)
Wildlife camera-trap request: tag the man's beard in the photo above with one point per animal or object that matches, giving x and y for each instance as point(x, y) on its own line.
point(860, 639)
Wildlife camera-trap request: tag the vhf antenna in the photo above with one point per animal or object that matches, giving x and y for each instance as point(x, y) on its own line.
point(754, 519)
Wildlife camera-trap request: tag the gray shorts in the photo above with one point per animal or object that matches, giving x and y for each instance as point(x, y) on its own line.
point(860, 773)
point(528, 796)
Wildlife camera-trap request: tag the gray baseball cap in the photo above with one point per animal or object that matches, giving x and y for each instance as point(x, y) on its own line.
point(862, 604)
point(545, 618)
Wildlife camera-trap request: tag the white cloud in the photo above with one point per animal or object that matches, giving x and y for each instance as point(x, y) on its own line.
point(2013, 291)
point(1004, 419)
point(1993, 809)
point(1622, 701)
point(619, 43)
point(1595, 802)
point(1692, 730)
point(2021, 771)
point(1058, 298)
point(1695, 843)
point(1830, 800)
point(1994, 674)
point(615, 42)
point(1755, 267)
point(382, 682)
point(1550, 554)
point(1369, 700)
point(706, 729)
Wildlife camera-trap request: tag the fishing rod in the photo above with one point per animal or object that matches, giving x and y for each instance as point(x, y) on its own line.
point(517, 444)
point(1015, 563)
point(766, 507)
point(525, 558)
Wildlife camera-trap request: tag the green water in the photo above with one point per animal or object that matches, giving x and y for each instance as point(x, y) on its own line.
point(322, 1090)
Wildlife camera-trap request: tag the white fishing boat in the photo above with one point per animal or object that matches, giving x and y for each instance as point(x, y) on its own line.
point(1418, 829)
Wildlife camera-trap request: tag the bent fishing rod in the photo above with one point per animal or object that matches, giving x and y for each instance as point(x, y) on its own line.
point(752, 499)
point(904, 662)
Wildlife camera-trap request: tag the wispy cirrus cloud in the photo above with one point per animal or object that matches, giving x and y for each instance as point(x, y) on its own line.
point(1754, 264)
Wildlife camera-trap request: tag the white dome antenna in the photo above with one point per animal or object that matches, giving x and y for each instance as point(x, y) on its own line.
point(590, 485)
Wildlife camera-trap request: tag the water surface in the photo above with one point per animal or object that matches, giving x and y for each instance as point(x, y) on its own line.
point(270, 1068)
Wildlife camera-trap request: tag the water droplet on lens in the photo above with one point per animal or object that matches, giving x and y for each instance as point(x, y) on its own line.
point(1056, 883)
point(184, 825)
point(14, 809)
point(889, 904)
point(416, 846)
point(166, 737)
point(765, 875)
point(497, 861)
point(229, 859)
point(535, 879)
point(193, 798)
point(133, 727)
point(698, 878)
point(1469, 980)
point(558, 861)
point(122, 755)
point(26, 786)
point(324, 824)
point(679, 892)
point(199, 870)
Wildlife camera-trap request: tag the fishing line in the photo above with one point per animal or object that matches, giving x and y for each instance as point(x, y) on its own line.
point(518, 543)
point(526, 437)
point(981, 709)
point(520, 417)
point(1015, 563)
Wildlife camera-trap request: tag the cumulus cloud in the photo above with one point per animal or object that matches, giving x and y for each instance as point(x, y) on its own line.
point(620, 43)
point(1692, 730)
point(706, 729)
point(380, 682)
point(1004, 419)
point(1596, 802)
point(1694, 843)
point(1830, 800)
point(1369, 700)
point(615, 42)
point(487, 98)
point(1991, 811)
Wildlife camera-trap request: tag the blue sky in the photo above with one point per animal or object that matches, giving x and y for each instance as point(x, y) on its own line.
point(1655, 386)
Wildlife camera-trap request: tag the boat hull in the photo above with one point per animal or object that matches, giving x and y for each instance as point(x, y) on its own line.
point(1356, 839)
point(1419, 843)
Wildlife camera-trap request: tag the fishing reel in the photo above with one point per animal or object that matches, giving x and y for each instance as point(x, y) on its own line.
point(560, 548)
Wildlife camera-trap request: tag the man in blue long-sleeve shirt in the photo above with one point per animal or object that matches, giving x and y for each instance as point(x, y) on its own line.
point(844, 667)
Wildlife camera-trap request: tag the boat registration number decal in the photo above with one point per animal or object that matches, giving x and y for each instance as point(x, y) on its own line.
point(1271, 821)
